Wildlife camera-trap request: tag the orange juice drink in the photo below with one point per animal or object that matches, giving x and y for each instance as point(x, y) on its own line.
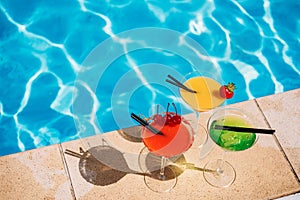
point(176, 140)
point(207, 96)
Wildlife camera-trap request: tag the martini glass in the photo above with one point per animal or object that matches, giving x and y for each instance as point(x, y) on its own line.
point(220, 173)
point(206, 97)
point(206, 87)
point(176, 136)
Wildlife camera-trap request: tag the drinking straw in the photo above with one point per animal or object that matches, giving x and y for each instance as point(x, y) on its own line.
point(145, 124)
point(72, 153)
point(178, 84)
point(244, 129)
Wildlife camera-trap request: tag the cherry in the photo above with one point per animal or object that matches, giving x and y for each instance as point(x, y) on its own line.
point(169, 119)
point(176, 118)
point(157, 118)
point(168, 116)
point(172, 118)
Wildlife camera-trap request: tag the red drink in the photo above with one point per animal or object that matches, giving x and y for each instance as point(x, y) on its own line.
point(165, 134)
point(176, 140)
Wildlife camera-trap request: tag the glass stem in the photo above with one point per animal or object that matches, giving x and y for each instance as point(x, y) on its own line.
point(222, 162)
point(162, 166)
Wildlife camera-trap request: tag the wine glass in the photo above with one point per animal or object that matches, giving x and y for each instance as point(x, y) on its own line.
point(175, 136)
point(220, 173)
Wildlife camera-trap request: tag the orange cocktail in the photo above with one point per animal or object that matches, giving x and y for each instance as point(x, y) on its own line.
point(176, 140)
point(166, 134)
point(207, 96)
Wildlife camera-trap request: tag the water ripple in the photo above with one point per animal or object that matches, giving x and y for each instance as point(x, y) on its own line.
point(43, 46)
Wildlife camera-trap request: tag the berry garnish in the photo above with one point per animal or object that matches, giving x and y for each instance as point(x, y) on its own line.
point(176, 118)
point(227, 91)
point(168, 116)
point(172, 118)
point(157, 118)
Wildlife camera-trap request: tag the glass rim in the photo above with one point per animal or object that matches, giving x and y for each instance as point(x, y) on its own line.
point(246, 116)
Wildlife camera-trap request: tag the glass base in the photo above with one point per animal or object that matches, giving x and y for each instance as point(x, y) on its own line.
point(160, 183)
point(219, 173)
point(148, 160)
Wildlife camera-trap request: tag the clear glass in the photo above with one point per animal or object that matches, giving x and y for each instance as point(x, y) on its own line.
point(207, 86)
point(158, 159)
point(220, 173)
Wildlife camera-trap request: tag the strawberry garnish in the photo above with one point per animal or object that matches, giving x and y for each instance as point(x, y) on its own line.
point(227, 91)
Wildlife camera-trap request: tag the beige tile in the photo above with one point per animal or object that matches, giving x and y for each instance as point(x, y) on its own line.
point(283, 114)
point(36, 174)
point(290, 197)
point(262, 171)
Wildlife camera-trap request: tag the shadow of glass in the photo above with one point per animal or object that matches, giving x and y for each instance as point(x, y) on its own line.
point(102, 165)
point(132, 134)
point(172, 169)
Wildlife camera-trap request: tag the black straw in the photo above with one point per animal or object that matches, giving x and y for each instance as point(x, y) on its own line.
point(244, 129)
point(145, 124)
point(178, 84)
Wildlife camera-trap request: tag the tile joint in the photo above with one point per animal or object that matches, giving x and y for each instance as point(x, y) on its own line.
point(278, 143)
point(61, 151)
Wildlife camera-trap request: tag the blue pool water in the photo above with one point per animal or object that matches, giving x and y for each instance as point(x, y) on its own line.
point(70, 69)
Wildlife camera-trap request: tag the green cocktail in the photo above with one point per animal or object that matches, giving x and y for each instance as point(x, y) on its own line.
point(231, 140)
point(221, 173)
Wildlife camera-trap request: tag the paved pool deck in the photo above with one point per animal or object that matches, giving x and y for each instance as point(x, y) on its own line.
point(268, 170)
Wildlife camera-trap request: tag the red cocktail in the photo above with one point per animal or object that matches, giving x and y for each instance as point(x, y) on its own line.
point(166, 135)
point(176, 140)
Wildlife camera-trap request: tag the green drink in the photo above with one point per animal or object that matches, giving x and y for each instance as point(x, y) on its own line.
point(231, 140)
point(220, 173)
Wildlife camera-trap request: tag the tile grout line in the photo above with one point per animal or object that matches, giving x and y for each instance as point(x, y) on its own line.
point(67, 170)
point(291, 194)
point(278, 143)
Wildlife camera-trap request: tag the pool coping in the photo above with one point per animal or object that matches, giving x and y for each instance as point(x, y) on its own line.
point(50, 173)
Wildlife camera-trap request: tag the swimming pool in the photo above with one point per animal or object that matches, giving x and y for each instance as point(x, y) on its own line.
point(70, 69)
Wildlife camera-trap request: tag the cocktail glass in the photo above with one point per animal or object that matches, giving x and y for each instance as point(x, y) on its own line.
point(220, 173)
point(177, 138)
point(207, 87)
